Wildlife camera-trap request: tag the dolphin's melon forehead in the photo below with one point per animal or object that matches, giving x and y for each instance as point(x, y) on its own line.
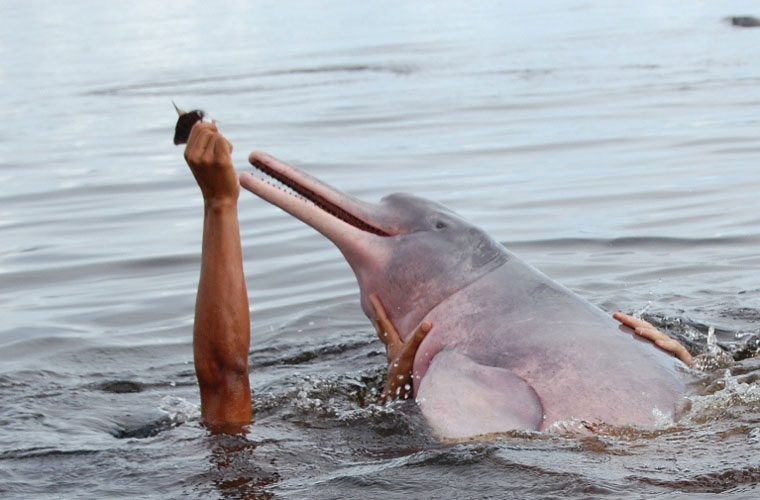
point(409, 202)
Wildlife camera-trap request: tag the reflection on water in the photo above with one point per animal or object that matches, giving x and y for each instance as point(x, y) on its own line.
point(613, 147)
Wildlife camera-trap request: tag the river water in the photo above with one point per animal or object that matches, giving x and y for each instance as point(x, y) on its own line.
point(614, 145)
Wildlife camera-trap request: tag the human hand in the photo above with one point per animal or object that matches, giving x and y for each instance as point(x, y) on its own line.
point(646, 330)
point(400, 381)
point(208, 154)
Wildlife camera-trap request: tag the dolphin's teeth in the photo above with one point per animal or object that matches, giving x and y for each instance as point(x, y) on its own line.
point(271, 181)
point(301, 192)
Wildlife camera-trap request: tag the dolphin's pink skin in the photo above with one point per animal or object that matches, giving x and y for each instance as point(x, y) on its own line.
point(509, 348)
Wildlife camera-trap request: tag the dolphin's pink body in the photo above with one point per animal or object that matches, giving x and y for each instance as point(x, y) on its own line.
point(510, 348)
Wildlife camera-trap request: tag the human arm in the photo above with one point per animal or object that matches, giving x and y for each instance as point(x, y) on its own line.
point(221, 332)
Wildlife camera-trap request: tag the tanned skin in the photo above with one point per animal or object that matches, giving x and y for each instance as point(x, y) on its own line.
point(221, 333)
point(646, 330)
point(399, 383)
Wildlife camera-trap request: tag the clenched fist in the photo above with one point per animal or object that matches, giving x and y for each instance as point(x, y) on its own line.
point(208, 155)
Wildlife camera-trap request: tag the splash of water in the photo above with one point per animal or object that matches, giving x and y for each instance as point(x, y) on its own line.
point(714, 357)
point(179, 410)
point(734, 398)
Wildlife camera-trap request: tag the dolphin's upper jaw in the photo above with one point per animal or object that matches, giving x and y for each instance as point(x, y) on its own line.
point(355, 227)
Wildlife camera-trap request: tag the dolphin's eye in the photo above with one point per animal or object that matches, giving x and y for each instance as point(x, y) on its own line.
point(440, 225)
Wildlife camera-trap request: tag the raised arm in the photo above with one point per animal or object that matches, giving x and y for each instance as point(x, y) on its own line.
point(221, 332)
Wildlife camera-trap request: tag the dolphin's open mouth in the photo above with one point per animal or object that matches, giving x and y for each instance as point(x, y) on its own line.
point(289, 180)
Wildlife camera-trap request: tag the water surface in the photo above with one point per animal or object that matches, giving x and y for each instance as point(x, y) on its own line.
point(613, 146)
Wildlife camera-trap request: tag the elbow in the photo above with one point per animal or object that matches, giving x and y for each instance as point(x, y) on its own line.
point(219, 375)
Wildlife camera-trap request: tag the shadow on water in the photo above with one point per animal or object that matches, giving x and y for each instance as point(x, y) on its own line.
point(236, 470)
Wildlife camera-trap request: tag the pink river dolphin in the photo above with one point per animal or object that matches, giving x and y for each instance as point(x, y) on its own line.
point(510, 349)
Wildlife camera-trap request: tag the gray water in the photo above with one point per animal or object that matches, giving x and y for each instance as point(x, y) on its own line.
point(614, 145)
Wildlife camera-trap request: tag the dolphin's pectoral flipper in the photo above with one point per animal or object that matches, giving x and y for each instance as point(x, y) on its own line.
point(399, 384)
point(462, 398)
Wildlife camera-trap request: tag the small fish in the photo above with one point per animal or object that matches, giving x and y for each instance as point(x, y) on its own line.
point(185, 123)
